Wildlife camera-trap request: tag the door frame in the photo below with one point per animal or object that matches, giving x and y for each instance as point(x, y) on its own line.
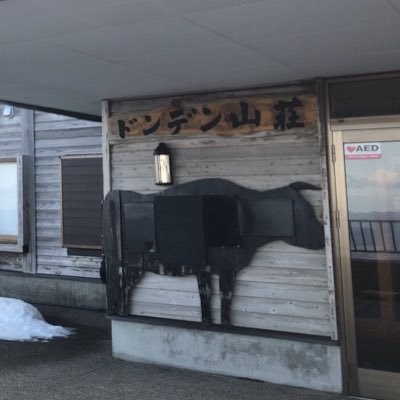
point(366, 127)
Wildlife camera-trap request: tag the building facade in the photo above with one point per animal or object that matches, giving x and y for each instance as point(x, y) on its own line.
point(271, 254)
point(323, 318)
point(277, 140)
point(43, 194)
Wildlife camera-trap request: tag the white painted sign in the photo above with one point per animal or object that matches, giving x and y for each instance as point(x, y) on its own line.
point(362, 151)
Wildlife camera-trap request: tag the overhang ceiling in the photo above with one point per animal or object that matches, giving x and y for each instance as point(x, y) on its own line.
point(70, 54)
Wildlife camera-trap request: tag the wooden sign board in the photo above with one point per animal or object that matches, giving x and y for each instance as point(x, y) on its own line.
point(230, 117)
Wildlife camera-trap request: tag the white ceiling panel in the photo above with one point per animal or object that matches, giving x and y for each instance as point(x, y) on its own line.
point(350, 65)
point(114, 13)
point(208, 64)
point(182, 7)
point(47, 64)
point(277, 18)
point(130, 41)
point(32, 21)
point(395, 4)
point(138, 84)
point(329, 46)
point(70, 54)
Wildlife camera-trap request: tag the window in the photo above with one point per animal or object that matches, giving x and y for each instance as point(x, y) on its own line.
point(82, 194)
point(9, 201)
point(12, 218)
point(364, 98)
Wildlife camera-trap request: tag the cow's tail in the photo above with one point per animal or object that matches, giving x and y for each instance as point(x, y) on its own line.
point(303, 186)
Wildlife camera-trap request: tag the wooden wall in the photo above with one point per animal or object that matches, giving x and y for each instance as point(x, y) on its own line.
point(285, 288)
point(10, 146)
point(54, 136)
point(57, 136)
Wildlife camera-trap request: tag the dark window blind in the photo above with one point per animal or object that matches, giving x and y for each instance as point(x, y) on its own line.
point(365, 98)
point(82, 194)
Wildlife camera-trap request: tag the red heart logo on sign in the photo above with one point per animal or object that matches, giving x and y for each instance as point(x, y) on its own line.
point(350, 148)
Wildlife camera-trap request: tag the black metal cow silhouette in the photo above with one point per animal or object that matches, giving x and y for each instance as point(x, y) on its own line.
point(205, 227)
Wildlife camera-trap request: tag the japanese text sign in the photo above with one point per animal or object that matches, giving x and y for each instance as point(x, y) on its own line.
point(229, 117)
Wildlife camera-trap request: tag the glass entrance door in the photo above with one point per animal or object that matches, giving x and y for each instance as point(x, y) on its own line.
point(369, 234)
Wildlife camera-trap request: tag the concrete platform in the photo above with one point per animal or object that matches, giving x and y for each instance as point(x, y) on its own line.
point(81, 368)
point(288, 360)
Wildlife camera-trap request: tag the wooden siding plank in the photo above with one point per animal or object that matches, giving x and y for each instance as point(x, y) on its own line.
point(295, 168)
point(80, 140)
point(78, 271)
point(239, 318)
point(282, 259)
point(68, 150)
point(44, 138)
point(11, 262)
point(70, 261)
point(249, 304)
point(242, 288)
point(222, 153)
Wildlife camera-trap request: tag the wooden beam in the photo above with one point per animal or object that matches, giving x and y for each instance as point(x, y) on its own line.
point(106, 148)
point(29, 196)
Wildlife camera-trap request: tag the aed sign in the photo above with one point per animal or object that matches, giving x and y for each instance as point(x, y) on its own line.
point(362, 151)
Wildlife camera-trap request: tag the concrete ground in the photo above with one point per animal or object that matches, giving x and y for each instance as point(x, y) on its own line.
point(82, 367)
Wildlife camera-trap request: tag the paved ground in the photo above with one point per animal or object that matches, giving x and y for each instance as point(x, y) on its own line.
point(81, 367)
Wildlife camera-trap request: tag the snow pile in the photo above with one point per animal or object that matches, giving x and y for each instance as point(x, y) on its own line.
point(22, 321)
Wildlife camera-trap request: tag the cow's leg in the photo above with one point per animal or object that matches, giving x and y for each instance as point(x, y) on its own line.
point(119, 287)
point(226, 286)
point(204, 283)
point(129, 274)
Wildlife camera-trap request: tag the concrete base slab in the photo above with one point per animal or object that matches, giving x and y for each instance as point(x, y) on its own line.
point(285, 361)
point(88, 294)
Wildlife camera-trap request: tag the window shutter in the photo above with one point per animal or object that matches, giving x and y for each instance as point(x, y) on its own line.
point(82, 194)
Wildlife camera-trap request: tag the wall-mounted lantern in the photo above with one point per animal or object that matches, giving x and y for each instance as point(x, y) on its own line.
point(162, 161)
